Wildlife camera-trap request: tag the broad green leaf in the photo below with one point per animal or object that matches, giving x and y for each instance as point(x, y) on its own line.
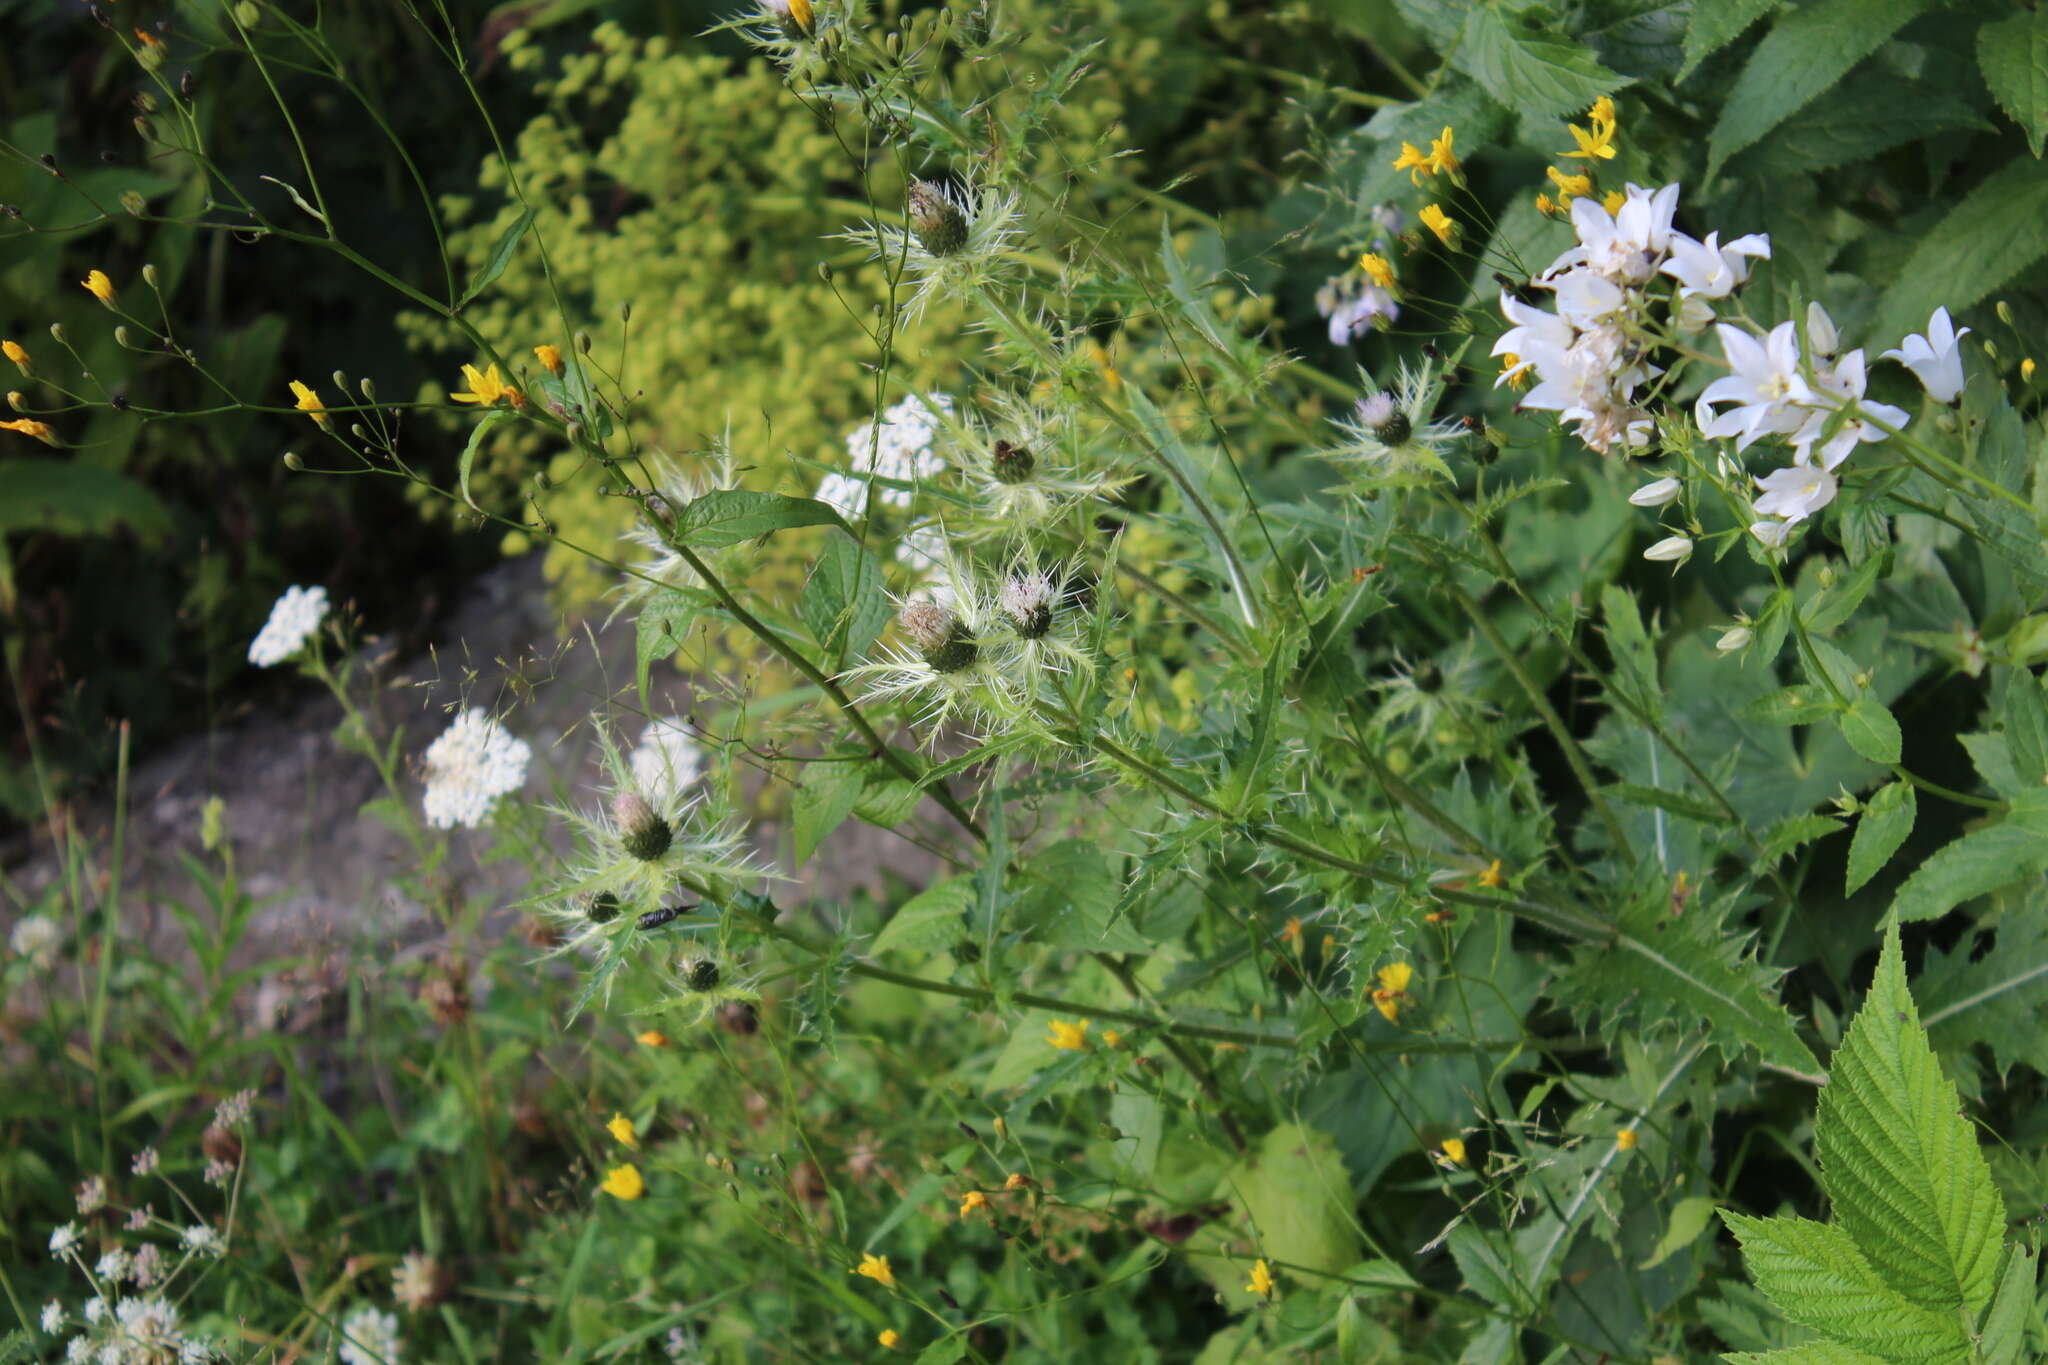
point(1886, 820)
point(947, 1350)
point(1869, 113)
point(1635, 658)
point(1689, 1218)
point(732, 515)
point(1717, 23)
point(1799, 704)
point(843, 604)
point(475, 443)
point(931, 921)
point(1491, 1268)
point(73, 498)
point(1871, 730)
point(1996, 998)
point(825, 796)
point(887, 800)
point(1809, 1353)
point(2004, 1334)
point(1294, 1189)
point(1832, 606)
point(2014, 56)
point(1819, 1278)
point(1074, 903)
point(500, 257)
point(1979, 862)
point(664, 618)
point(1984, 241)
point(1806, 51)
point(1537, 75)
point(1900, 1163)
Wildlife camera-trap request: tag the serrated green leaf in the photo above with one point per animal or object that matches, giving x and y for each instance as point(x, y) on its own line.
point(1871, 730)
point(731, 515)
point(500, 257)
point(1689, 1218)
point(1831, 607)
point(1795, 832)
point(824, 797)
point(1799, 704)
point(931, 921)
point(1074, 902)
point(1991, 236)
point(658, 633)
point(1491, 1269)
point(1979, 862)
point(887, 800)
point(843, 605)
point(1635, 658)
point(1868, 113)
point(1717, 23)
point(1819, 1278)
point(2013, 54)
point(1806, 51)
point(1996, 998)
point(1537, 76)
point(1678, 803)
point(1901, 1166)
point(1886, 820)
point(2003, 1337)
point(1809, 1353)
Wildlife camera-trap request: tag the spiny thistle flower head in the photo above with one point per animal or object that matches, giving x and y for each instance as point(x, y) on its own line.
point(1389, 425)
point(947, 644)
point(1027, 599)
point(954, 243)
point(642, 832)
point(1026, 467)
point(1391, 428)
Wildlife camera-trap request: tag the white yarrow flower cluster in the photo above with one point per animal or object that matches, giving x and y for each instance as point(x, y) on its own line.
point(667, 761)
point(37, 938)
point(472, 764)
point(1585, 359)
point(294, 620)
point(890, 457)
point(370, 1337)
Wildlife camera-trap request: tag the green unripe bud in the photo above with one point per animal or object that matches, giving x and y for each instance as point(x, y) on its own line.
point(1011, 463)
point(293, 462)
point(642, 832)
point(149, 276)
point(133, 203)
point(369, 389)
point(936, 219)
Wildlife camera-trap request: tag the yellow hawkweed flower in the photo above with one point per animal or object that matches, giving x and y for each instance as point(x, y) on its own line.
point(1491, 879)
point(652, 1038)
point(622, 1129)
point(1569, 187)
point(1392, 990)
point(1436, 220)
point(972, 1200)
point(1291, 935)
point(1548, 206)
point(1377, 269)
point(1450, 1152)
point(1613, 200)
point(1111, 1038)
point(2026, 368)
point(624, 1182)
point(550, 358)
point(308, 402)
point(1595, 144)
point(99, 286)
point(1603, 111)
point(1261, 1282)
point(1441, 161)
point(30, 427)
point(487, 388)
point(800, 14)
point(1016, 1180)
point(1626, 1139)
point(877, 1269)
point(890, 1339)
point(21, 361)
point(1412, 161)
point(1067, 1037)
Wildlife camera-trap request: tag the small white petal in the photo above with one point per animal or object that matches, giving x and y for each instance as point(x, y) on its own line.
point(1656, 494)
point(1671, 549)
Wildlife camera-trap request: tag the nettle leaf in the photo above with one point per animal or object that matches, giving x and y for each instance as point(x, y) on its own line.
point(1871, 730)
point(1984, 241)
point(1886, 820)
point(1811, 1353)
point(932, 920)
point(1980, 862)
point(2014, 56)
point(1818, 1277)
point(1717, 23)
point(1806, 51)
point(1866, 114)
point(825, 795)
point(731, 515)
point(843, 604)
point(1900, 1163)
point(1531, 73)
point(2004, 1335)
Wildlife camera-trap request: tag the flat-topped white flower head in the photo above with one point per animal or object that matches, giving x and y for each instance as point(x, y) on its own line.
point(667, 761)
point(370, 1337)
point(1709, 270)
point(901, 449)
point(293, 620)
point(1767, 388)
point(1795, 494)
point(469, 767)
point(1936, 357)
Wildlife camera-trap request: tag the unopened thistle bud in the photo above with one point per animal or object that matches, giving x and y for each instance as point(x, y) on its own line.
point(1388, 424)
point(941, 636)
point(600, 907)
point(937, 220)
point(700, 974)
point(642, 832)
point(1027, 601)
point(1011, 463)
